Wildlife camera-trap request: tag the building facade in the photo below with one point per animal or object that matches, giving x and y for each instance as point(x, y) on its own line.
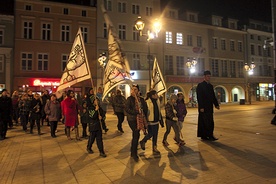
point(44, 34)
point(45, 31)
point(6, 50)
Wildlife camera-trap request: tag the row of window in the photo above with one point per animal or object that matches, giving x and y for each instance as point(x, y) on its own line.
point(47, 9)
point(223, 44)
point(40, 63)
point(122, 8)
point(47, 31)
point(219, 68)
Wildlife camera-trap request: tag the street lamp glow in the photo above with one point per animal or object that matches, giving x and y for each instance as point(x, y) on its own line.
point(139, 25)
point(192, 70)
point(251, 72)
point(150, 34)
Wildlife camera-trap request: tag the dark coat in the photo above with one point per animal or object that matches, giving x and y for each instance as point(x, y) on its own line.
point(35, 108)
point(94, 122)
point(119, 103)
point(53, 110)
point(5, 108)
point(206, 97)
point(131, 108)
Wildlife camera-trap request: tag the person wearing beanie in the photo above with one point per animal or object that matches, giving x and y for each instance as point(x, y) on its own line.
point(171, 121)
point(206, 100)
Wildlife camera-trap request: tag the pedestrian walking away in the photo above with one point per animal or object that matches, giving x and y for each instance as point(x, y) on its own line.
point(206, 101)
point(119, 108)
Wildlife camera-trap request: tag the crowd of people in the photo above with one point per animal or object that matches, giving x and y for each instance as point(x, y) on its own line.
point(32, 110)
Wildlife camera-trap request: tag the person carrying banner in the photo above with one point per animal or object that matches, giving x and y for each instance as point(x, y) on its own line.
point(136, 108)
point(95, 126)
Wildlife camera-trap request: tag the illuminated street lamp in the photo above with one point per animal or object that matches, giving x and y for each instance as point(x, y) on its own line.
point(191, 65)
point(102, 61)
point(250, 70)
point(151, 34)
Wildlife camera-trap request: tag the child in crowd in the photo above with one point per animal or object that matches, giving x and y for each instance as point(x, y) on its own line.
point(84, 117)
point(95, 127)
point(171, 121)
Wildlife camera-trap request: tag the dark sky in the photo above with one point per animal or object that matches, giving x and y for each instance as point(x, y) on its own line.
point(241, 9)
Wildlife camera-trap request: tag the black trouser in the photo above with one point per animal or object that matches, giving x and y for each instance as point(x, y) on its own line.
point(15, 115)
point(135, 137)
point(3, 128)
point(103, 121)
point(84, 129)
point(99, 140)
point(35, 121)
point(205, 126)
point(53, 125)
point(121, 117)
point(24, 120)
point(152, 133)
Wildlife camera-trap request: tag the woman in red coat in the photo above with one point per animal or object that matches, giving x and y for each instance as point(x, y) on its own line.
point(69, 108)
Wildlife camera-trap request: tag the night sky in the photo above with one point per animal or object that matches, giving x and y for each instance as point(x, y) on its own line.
point(239, 9)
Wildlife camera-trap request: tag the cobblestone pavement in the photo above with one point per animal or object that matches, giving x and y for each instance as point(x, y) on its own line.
point(244, 153)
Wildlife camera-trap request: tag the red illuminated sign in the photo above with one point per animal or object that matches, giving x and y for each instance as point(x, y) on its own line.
point(45, 82)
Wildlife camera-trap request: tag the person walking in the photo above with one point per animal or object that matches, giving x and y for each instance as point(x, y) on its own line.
point(171, 122)
point(154, 117)
point(181, 112)
point(136, 109)
point(84, 117)
point(119, 108)
point(95, 127)
point(15, 110)
point(5, 113)
point(206, 100)
point(69, 108)
point(35, 113)
point(23, 111)
point(52, 110)
point(103, 104)
point(45, 98)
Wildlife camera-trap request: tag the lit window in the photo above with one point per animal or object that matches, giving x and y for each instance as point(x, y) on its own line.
point(169, 37)
point(179, 38)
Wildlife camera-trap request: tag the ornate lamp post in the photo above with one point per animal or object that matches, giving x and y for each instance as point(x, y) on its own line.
point(151, 34)
point(250, 70)
point(102, 61)
point(191, 65)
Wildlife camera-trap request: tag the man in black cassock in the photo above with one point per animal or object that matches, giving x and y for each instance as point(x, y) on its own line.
point(206, 99)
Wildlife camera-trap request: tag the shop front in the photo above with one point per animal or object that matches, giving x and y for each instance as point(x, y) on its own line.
point(38, 85)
